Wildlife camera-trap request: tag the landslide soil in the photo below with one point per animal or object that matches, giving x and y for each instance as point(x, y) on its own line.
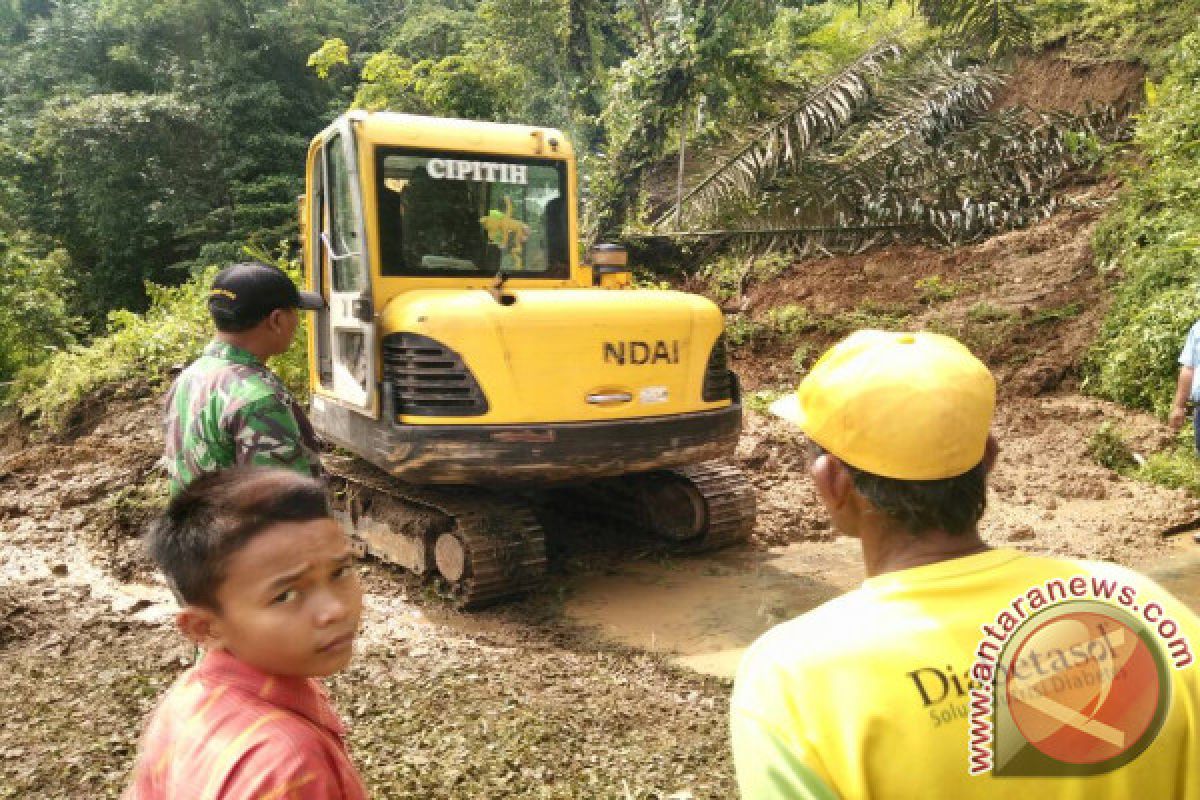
point(517, 701)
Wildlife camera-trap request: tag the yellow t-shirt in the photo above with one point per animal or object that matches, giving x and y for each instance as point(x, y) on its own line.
point(870, 695)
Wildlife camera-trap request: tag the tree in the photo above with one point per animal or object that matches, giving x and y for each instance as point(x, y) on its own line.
point(217, 95)
point(34, 319)
point(706, 49)
point(129, 181)
point(996, 26)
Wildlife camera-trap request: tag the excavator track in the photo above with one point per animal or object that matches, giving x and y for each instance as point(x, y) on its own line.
point(729, 498)
point(697, 509)
point(483, 546)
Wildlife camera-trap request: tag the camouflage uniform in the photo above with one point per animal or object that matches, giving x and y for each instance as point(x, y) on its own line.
point(227, 408)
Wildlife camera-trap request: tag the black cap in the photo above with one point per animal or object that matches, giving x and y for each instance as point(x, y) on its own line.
point(244, 294)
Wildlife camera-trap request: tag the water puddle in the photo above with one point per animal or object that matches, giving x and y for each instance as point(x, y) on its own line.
point(1178, 572)
point(705, 612)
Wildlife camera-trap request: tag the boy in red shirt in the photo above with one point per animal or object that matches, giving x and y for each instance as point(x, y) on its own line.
point(268, 587)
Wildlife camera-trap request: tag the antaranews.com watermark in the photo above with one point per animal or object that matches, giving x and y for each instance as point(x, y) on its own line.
point(1071, 678)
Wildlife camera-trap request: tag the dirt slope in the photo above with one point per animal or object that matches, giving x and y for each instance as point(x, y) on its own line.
point(1029, 302)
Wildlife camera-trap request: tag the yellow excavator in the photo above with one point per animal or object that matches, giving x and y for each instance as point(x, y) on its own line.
point(469, 351)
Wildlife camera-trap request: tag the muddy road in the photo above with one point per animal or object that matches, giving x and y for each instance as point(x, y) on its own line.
point(612, 681)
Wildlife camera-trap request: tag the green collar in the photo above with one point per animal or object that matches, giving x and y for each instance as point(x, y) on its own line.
point(228, 352)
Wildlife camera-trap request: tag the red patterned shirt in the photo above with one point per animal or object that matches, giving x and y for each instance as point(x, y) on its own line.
point(226, 731)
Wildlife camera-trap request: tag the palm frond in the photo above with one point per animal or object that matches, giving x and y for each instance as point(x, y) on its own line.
point(922, 108)
point(824, 112)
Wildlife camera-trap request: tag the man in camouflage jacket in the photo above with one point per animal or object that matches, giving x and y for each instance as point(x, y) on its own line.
point(227, 408)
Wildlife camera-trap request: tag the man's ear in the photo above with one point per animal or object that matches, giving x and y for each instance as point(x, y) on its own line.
point(833, 481)
point(275, 320)
point(202, 626)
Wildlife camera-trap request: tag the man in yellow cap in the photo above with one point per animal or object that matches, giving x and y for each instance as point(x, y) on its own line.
point(955, 670)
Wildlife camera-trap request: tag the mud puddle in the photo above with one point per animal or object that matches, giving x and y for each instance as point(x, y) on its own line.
point(1178, 571)
point(705, 612)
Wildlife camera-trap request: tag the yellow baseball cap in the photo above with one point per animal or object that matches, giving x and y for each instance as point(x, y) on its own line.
point(910, 406)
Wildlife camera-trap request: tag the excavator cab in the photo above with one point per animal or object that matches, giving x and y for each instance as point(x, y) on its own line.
point(466, 344)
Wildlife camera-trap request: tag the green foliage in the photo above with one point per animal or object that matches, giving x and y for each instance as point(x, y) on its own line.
point(332, 53)
point(434, 31)
point(814, 40)
point(1176, 468)
point(138, 350)
point(1137, 30)
point(996, 27)
point(647, 279)
point(35, 321)
point(135, 348)
point(935, 289)
point(788, 322)
point(985, 312)
point(457, 86)
point(802, 358)
point(779, 324)
point(732, 275)
point(742, 330)
point(1154, 241)
point(1108, 448)
point(712, 52)
point(497, 61)
point(1056, 313)
point(983, 335)
point(1135, 360)
point(762, 399)
point(124, 222)
point(892, 144)
point(868, 315)
point(135, 133)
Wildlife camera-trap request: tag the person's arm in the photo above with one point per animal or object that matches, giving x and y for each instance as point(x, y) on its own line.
point(1183, 384)
point(770, 768)
point(265, 433)
point(1183, 390)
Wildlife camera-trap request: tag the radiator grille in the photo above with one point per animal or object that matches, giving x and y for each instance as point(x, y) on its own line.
point(429, 379)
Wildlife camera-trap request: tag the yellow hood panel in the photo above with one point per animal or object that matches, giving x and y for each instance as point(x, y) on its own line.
point(541, 357)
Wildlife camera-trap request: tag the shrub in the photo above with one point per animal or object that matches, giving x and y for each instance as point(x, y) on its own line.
point(787, 322)
point(35, 321)
point(1108, 449)
point(1047, 315)
point(782, 324)
point(934, 289)
point(1154, 240)
point(144, 346)
point(867, 315)
point(761, 400)
point(802, 358)
point(1137, 364)
point(730, 276)
point(1176, 468)
point(985, 312)
point(742, 330)
point(137, 348)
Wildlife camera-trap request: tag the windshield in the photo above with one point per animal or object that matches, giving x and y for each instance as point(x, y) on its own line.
point(471, 214)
